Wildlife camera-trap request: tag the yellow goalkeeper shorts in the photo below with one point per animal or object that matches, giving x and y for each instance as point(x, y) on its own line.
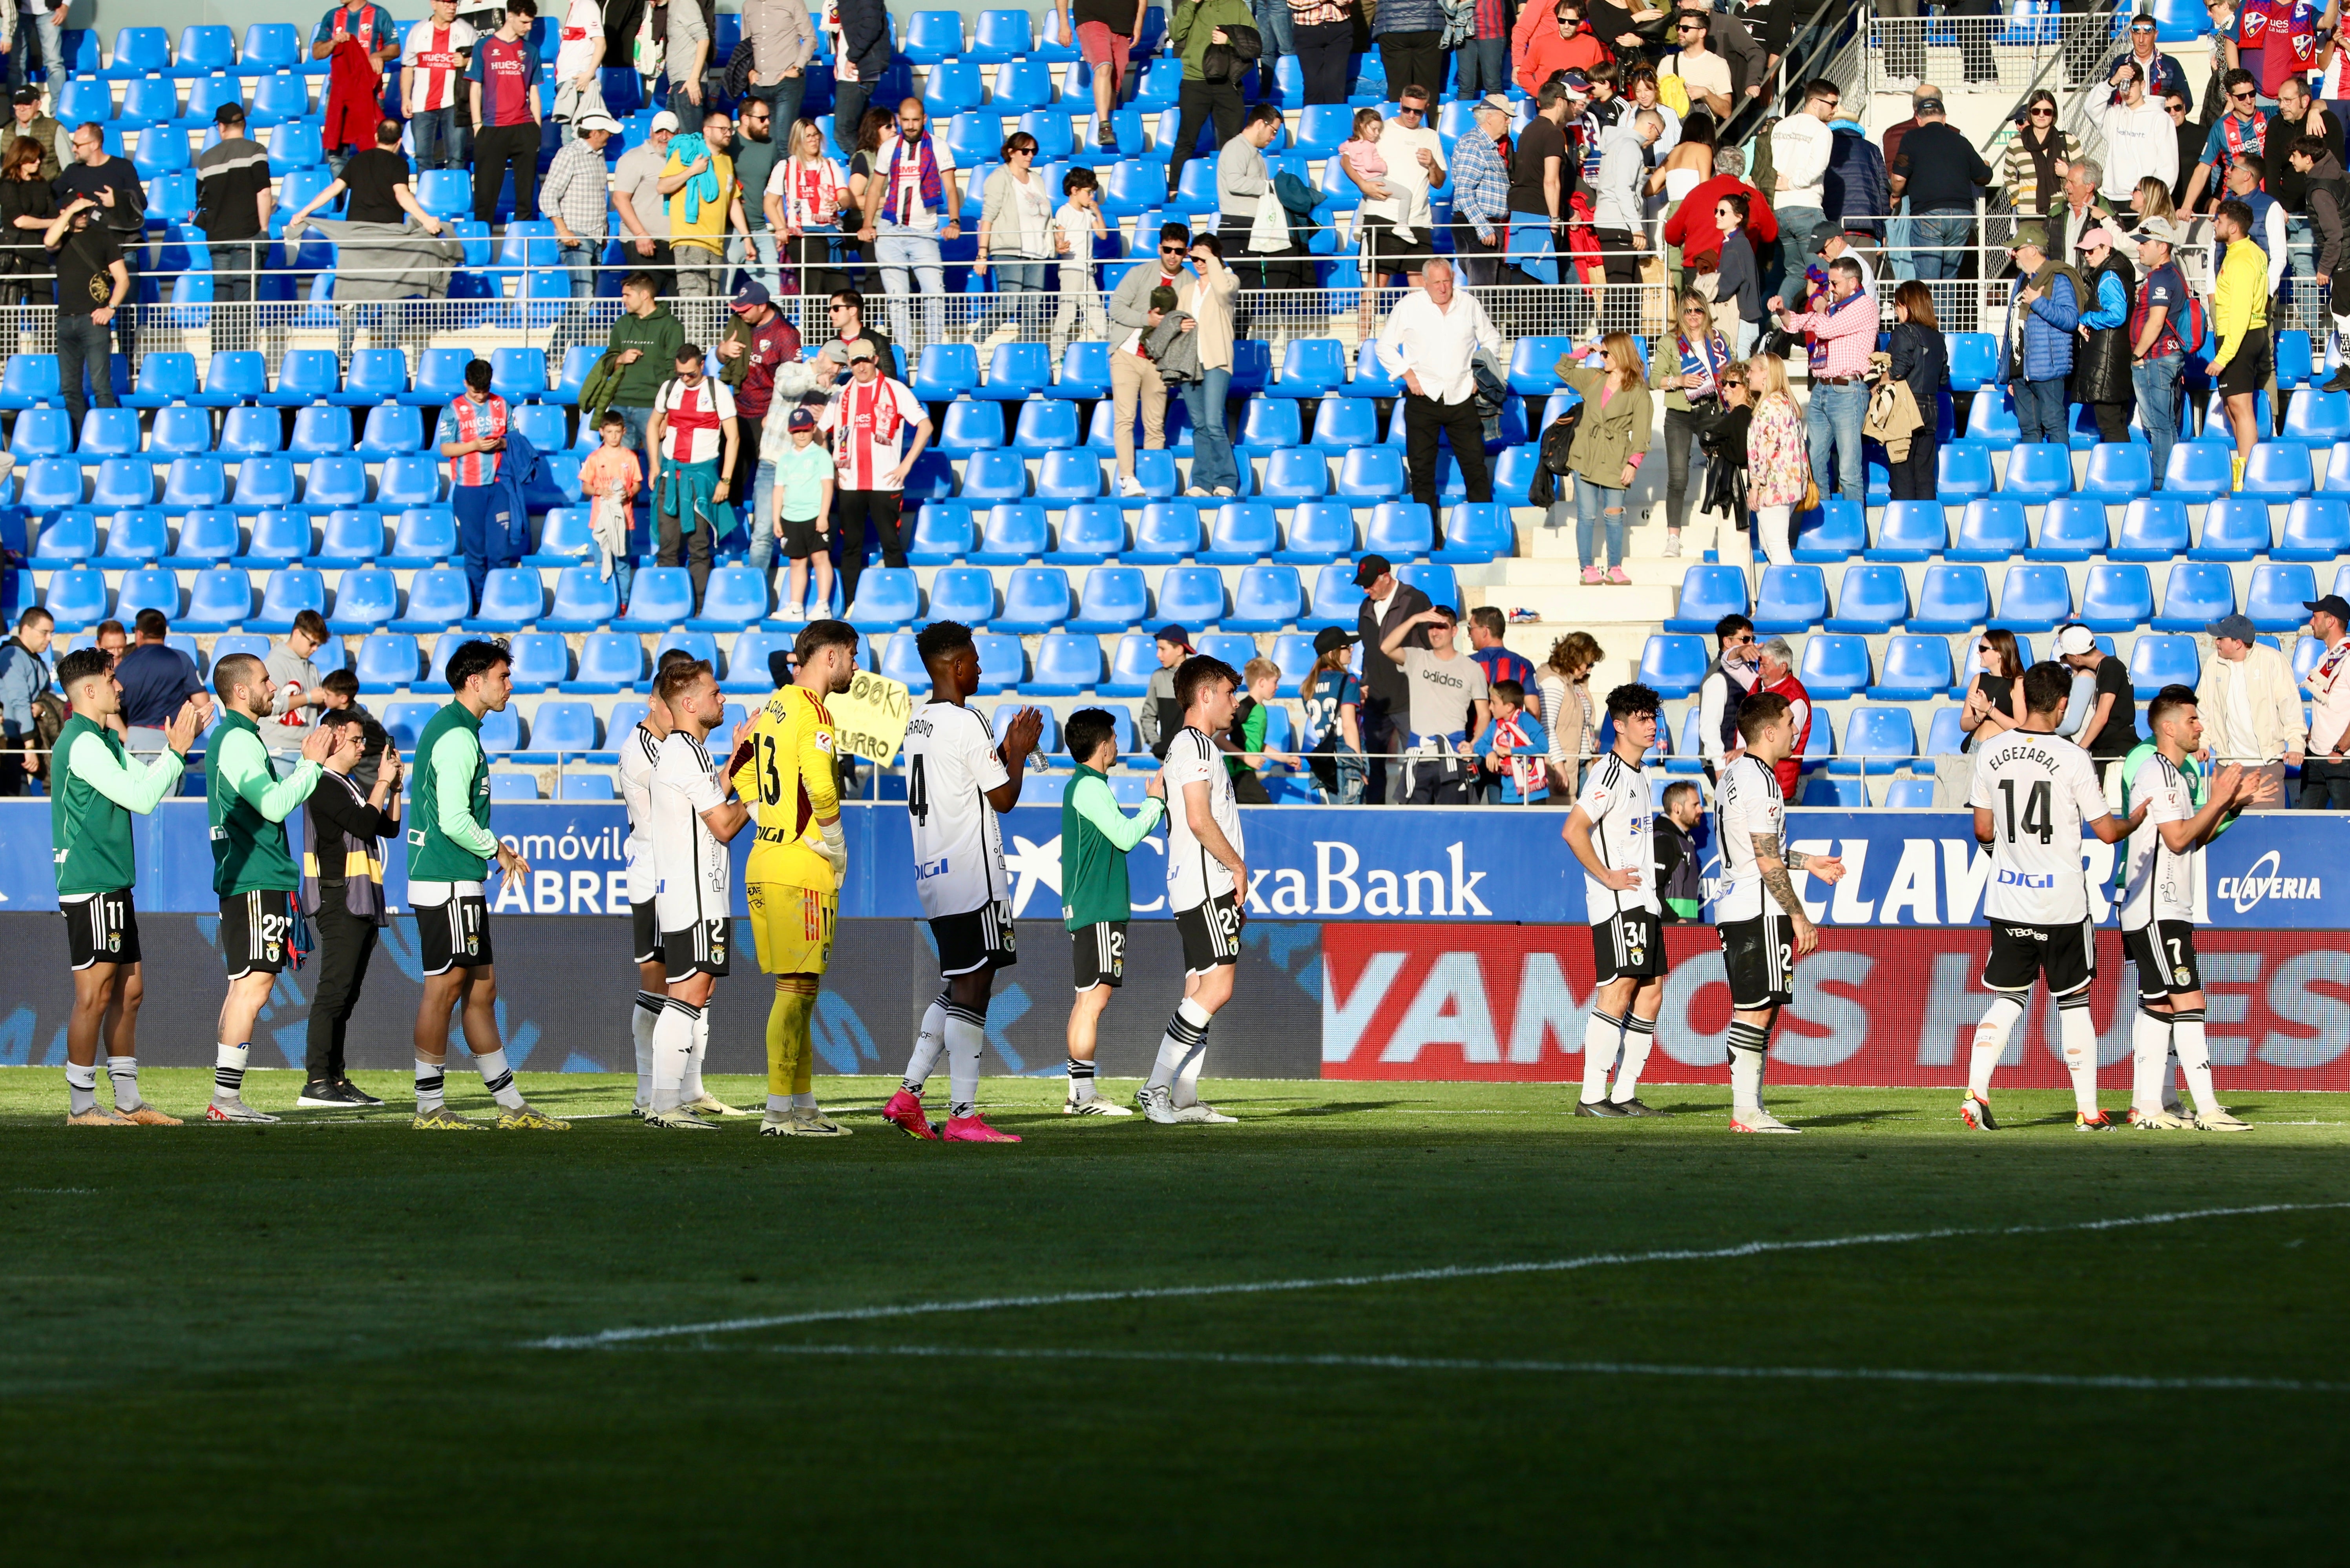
point(792, 926)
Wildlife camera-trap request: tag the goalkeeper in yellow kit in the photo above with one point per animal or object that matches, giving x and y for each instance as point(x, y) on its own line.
point(793, 877)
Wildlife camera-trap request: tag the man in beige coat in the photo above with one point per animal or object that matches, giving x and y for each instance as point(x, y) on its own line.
point(1208, 299)
point(2251, 712)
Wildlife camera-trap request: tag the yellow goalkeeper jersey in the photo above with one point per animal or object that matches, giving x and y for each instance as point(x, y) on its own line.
point(790, 779)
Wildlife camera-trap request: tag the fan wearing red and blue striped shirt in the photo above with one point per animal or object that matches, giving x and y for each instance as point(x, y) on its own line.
point(1486, 626)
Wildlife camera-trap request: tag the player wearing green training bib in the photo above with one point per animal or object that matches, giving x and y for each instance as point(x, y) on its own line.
point(1095, 900)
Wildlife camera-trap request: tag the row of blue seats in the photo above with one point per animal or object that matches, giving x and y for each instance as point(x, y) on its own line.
point(308, 375)
point(2199, 471)
point(54, 484)
point(2313, 416)
point(2079, 527)
point(2034, 597)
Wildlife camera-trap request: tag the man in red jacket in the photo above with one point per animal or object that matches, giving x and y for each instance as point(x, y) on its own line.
point(1549, 39)
point(1777, 664)
point(1692, 225)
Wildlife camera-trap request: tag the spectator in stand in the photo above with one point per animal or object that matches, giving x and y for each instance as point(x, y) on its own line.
point(2188, 132)
point(156, 680)
point(578, 65)
point(577, 197)
point(233, 197)
point(2298, 115)
point(2079, 207)
point(1208, 298)
point(914, 209)
point(472, 435)
point(1705, 75)
point(1105, 32)
point(1615, 215)
point(1680, 880)
point(1015, 241)
point(643, 211)
point(2240, 320)
point(1775, 672)
point(1486, 628)
point(1695, 226)
point(112, 184)
point(432, 65)
point(32, 23)
point(1800, 147)
point(1449, 705)
point(1410, 38)
point(1430, 344)
point(2252, 709)
point(1777, 467)
point(1547, 41)
point(1484, 55)
point(756, 343)
point(2162, 75)
point(23, 675)
point(705, 204)
point(1514, 751)
point(2324, 772)
point(2101, 362)
point(1921, 358)
point(1163, 716)
point(1857, 191)
point(378, 180)
point(1729, 37)
point(611, 479)
point(1738, 282)
point(342, 893)
point(1691, 364)
point(93, 286)
point(1609, 445)
point(503, 96)
point(804, 204)
point(1324, 33)
point(1481, 191)
point(782, 36)
point(1077, 227)
point(1243, 744)
point(756, 154)
point(1333, 702)
point(57, 147)
point(1277, 38)
point(1388, 606)
point(2043, 309)
point(111, 640)
point(2033, 161)
point(1938, 172)
point(301, 690)
point(1995, 696)
point(695, 432)
point(2158, 354)
point(1244, 184)
point(2239, 135)
point(686, 55)
point(860, 55)
point(1192, 26)
point(794, 465)
point(868, 419)
point(2109, 729)
point(2139, 140)
point(1541, 181)
point(1134, 381)
point(349, 103)
point(848, 329)
point(1839, 338)
point(1569, 711)
point(26, 206)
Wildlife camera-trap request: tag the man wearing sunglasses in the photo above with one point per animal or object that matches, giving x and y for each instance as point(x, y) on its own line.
point(2188, 132)
point(1801, 145)
point(2240, 133)
point(2163, 74)
point(1703, 72)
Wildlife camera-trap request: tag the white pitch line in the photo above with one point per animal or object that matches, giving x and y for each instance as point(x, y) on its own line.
point(1576, 1368)
point(612, 1337)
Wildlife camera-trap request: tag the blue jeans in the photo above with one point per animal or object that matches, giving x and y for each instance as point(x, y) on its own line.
point(440, 140)
point(2158, 384)
point(82, 344)
point(52, 35)
point(1795, 226)
point(909, 259)
point(757, 257)
point(1937, 242)
point(1832, 424)
point(2040, 408)
point(1013, 279)
point(1595, 505)
point(1484, 67)
point(763, 495)
point(1213, 467)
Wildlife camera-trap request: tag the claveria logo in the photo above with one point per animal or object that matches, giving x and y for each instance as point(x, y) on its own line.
point(2261, 881)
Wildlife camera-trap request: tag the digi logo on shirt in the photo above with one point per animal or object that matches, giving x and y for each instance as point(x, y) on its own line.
point(937, 868)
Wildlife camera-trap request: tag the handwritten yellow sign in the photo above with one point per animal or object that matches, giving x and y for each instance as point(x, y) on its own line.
point(870, 717)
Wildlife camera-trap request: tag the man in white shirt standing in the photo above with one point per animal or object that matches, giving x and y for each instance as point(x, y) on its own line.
point(1610, 831)
point(431, 71)
point(917, 209)
point(1415, 159)
point(2324, 774)
point(1800, 146)
point(2251, 711)
point(1430, 344)
point(868, 419)
point(2139, 138)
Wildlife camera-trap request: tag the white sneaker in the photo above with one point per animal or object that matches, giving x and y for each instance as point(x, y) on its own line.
point(1760, 1122)
point(1131, 489)
point(235, 1109)
point(793, 612)
point(2161, 1121)
point(2222, 1121)
point(1197, 492)
point(1672, 543)
point(1206, 1115)
point(677, 1120)
point(1221, 493)
point(1096, 1107)
point(1156, 1104)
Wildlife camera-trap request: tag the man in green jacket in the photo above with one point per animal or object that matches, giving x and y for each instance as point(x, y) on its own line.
point(1193, 26)
point(93, 794)
point(449, 848)
point(1095, 899)
point(643, 346)
point(254, 872)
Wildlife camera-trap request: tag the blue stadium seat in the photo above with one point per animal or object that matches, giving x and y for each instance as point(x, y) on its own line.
point(2198, 593)
point(1400, 530)
point(2316, 528)
point(971, 427)
point(375, 376)
point(247, 431)
point(736, 596)
point(388, 661)
point(1266, 598)
point(1944, 738)
point(1533, 364)
point(2199, 470)
point(1036, 599)
point(1232, 648)
point(943, 534)
point(518, 375)
point(888, 597)
point(2158, 661)
point(1191, 596)
point(946, 371)
point(198, 482)
point(2319, 418)
point(2116, 597)
point(1974, 359)
point(338, 481)
point(178, 432)
point(280, 534)
point(615, 661)
point(146, 587)
point(2073, 528)
point(1674, 665)
point(365, 600)
point(1067, 663)
point(446, 194)
point(747, 664)
point(2279, 470)
point(2274, 597)
point(901, 662)
point(289, 591)
point(1884, 736)
point(207, 536)
point(659, 597)
point(1091, 531)
point(51, 483)
point(2154, 528)
point(1833, 664)
point(1708, 594)
point(1297, 474)
point(1993, 420)
point(1017, 371)
point(438, 597)
point(1070, 476)
point(77, 597)
point(305, 376)
point(932, 36)
point(995, 476)
point(351, 535)
point(966, 594)
point(423, 537)
point(46, 432)
point(1269, 426)
point(1907, 531)
point(1477, 532)
point(587, 786)
point(543, 425)
point(1337, 601)
point(30, 380)
point(1014, 531)
point(84, 100)
point(1950, 598)
point(1047, 424)
point(2295, 363)
point(321, 430)
point(1133, 661)
point(137, 536)
point(561, 731)
point(2235, 528)
point(2038, 470)
point(2118, 470)
point(1167, 532)
point(1002, 664)
point(409, 481)
point(1916, 670)
point(1872, 600)
point(1438, 582)
point(108, 433)
point(165, 377)
point(1311, 368)
point(159, 150)
point(1243, 531)
point(440, 377)
point(406, 721)
point(124, 482)
point(1114, 599)
point(70, 539)
point(564, 538)
point(1836, 530)
point(506, 784)
point(1792, 598)
point(1909, 794)
point(1962, 470)
point(513, 598)
point(1991, 529)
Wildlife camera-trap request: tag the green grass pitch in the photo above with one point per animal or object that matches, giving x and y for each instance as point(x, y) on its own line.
point(324, 1341)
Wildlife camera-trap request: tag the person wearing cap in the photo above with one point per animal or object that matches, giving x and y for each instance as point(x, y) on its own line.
point(799, 470)
point(1332, 699)
point(1800, 148)
point(2160, 74)
point(1481, 191)
point(637, 198)
point(2240, 320)
point(1938, 172)
point(233, 203)
point(1829, 242)
point(2101, 364)
point(2252, 709)
point(1389, 604)
point(1448, 704)
point(2157, 354)
point(39, 128)
point(2044, 308)
point(1162, 715)
point(433, 61)
point(2109, 729)
point(756, 343)
point(2326, 767)
point(705, 205)
point(867, 418)
point(577, 196)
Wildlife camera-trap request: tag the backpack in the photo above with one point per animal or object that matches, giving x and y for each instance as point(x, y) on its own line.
point(2195, 329)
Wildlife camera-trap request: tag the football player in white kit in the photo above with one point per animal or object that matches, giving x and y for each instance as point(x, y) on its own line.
point(1760, 944)
point(2033, 794)
point(692, 819)
point(1207, 888)
point(2162, 875)
point(638, 754)
point(1609, 830)
point(957, 779)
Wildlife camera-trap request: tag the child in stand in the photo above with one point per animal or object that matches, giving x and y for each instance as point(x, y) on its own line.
point(1360, 160)
point(803, 514)
point(1076, 228)
point(611, 479)
point(1243, 744)
point(1514, 747)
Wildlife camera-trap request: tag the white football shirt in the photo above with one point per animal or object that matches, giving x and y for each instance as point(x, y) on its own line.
point(950, 762)
point(2040, 790)
point(638, 755)
point(693, 867)
point(1194, 877)
point(1615, 798)
point(1747, 805)
point(2160, 885)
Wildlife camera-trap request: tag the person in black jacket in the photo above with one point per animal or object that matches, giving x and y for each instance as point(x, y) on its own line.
point(1387, 603)
point(342, 893)
point(1921, 358)
point(2101, 365)
point(864, 36)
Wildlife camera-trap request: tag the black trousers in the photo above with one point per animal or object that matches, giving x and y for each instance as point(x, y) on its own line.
point(1480, 262)
point(1914, 477)
point(2324, 784)
point(2113, 420)
point(1680, 448)
point(496, 150)
point(1323, 50)
point(812, 254)
point(1381, 734)
point(695, 548)
point(1424, 421)
point(1621, 310)
point(345, 943)
point(1200, 104)
point(848, 100)
point(882, 508)
point(1412, 59)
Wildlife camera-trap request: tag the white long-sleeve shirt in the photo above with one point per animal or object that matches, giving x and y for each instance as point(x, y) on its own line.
point(1438, 345)
point(2139, 143)
point(1800, 145)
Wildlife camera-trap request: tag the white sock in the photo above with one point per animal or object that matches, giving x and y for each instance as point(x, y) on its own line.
point(228, 1071)
point(1640, 1039)
point(428, 1085)
point(928, 1043)
point(123, 1072)
point(1990, 1044)
point(2080, 1039)
point(803, 1102)
point(1602, 1037)
point(2195, 1059)
point(2149, 1056)
point(966, 1034)
point(1748, 1044)
point(81, 1088)
point(1187, 1029)
point(1081, 1080)
point(693, 1089)
point(778, 1104)
point(498, 1078)
point(2170, 1076)
point(673, 1048)
point(643, 1017)
point(1187, 1076)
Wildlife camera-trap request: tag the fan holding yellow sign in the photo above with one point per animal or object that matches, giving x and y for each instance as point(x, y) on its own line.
point(870, 717)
